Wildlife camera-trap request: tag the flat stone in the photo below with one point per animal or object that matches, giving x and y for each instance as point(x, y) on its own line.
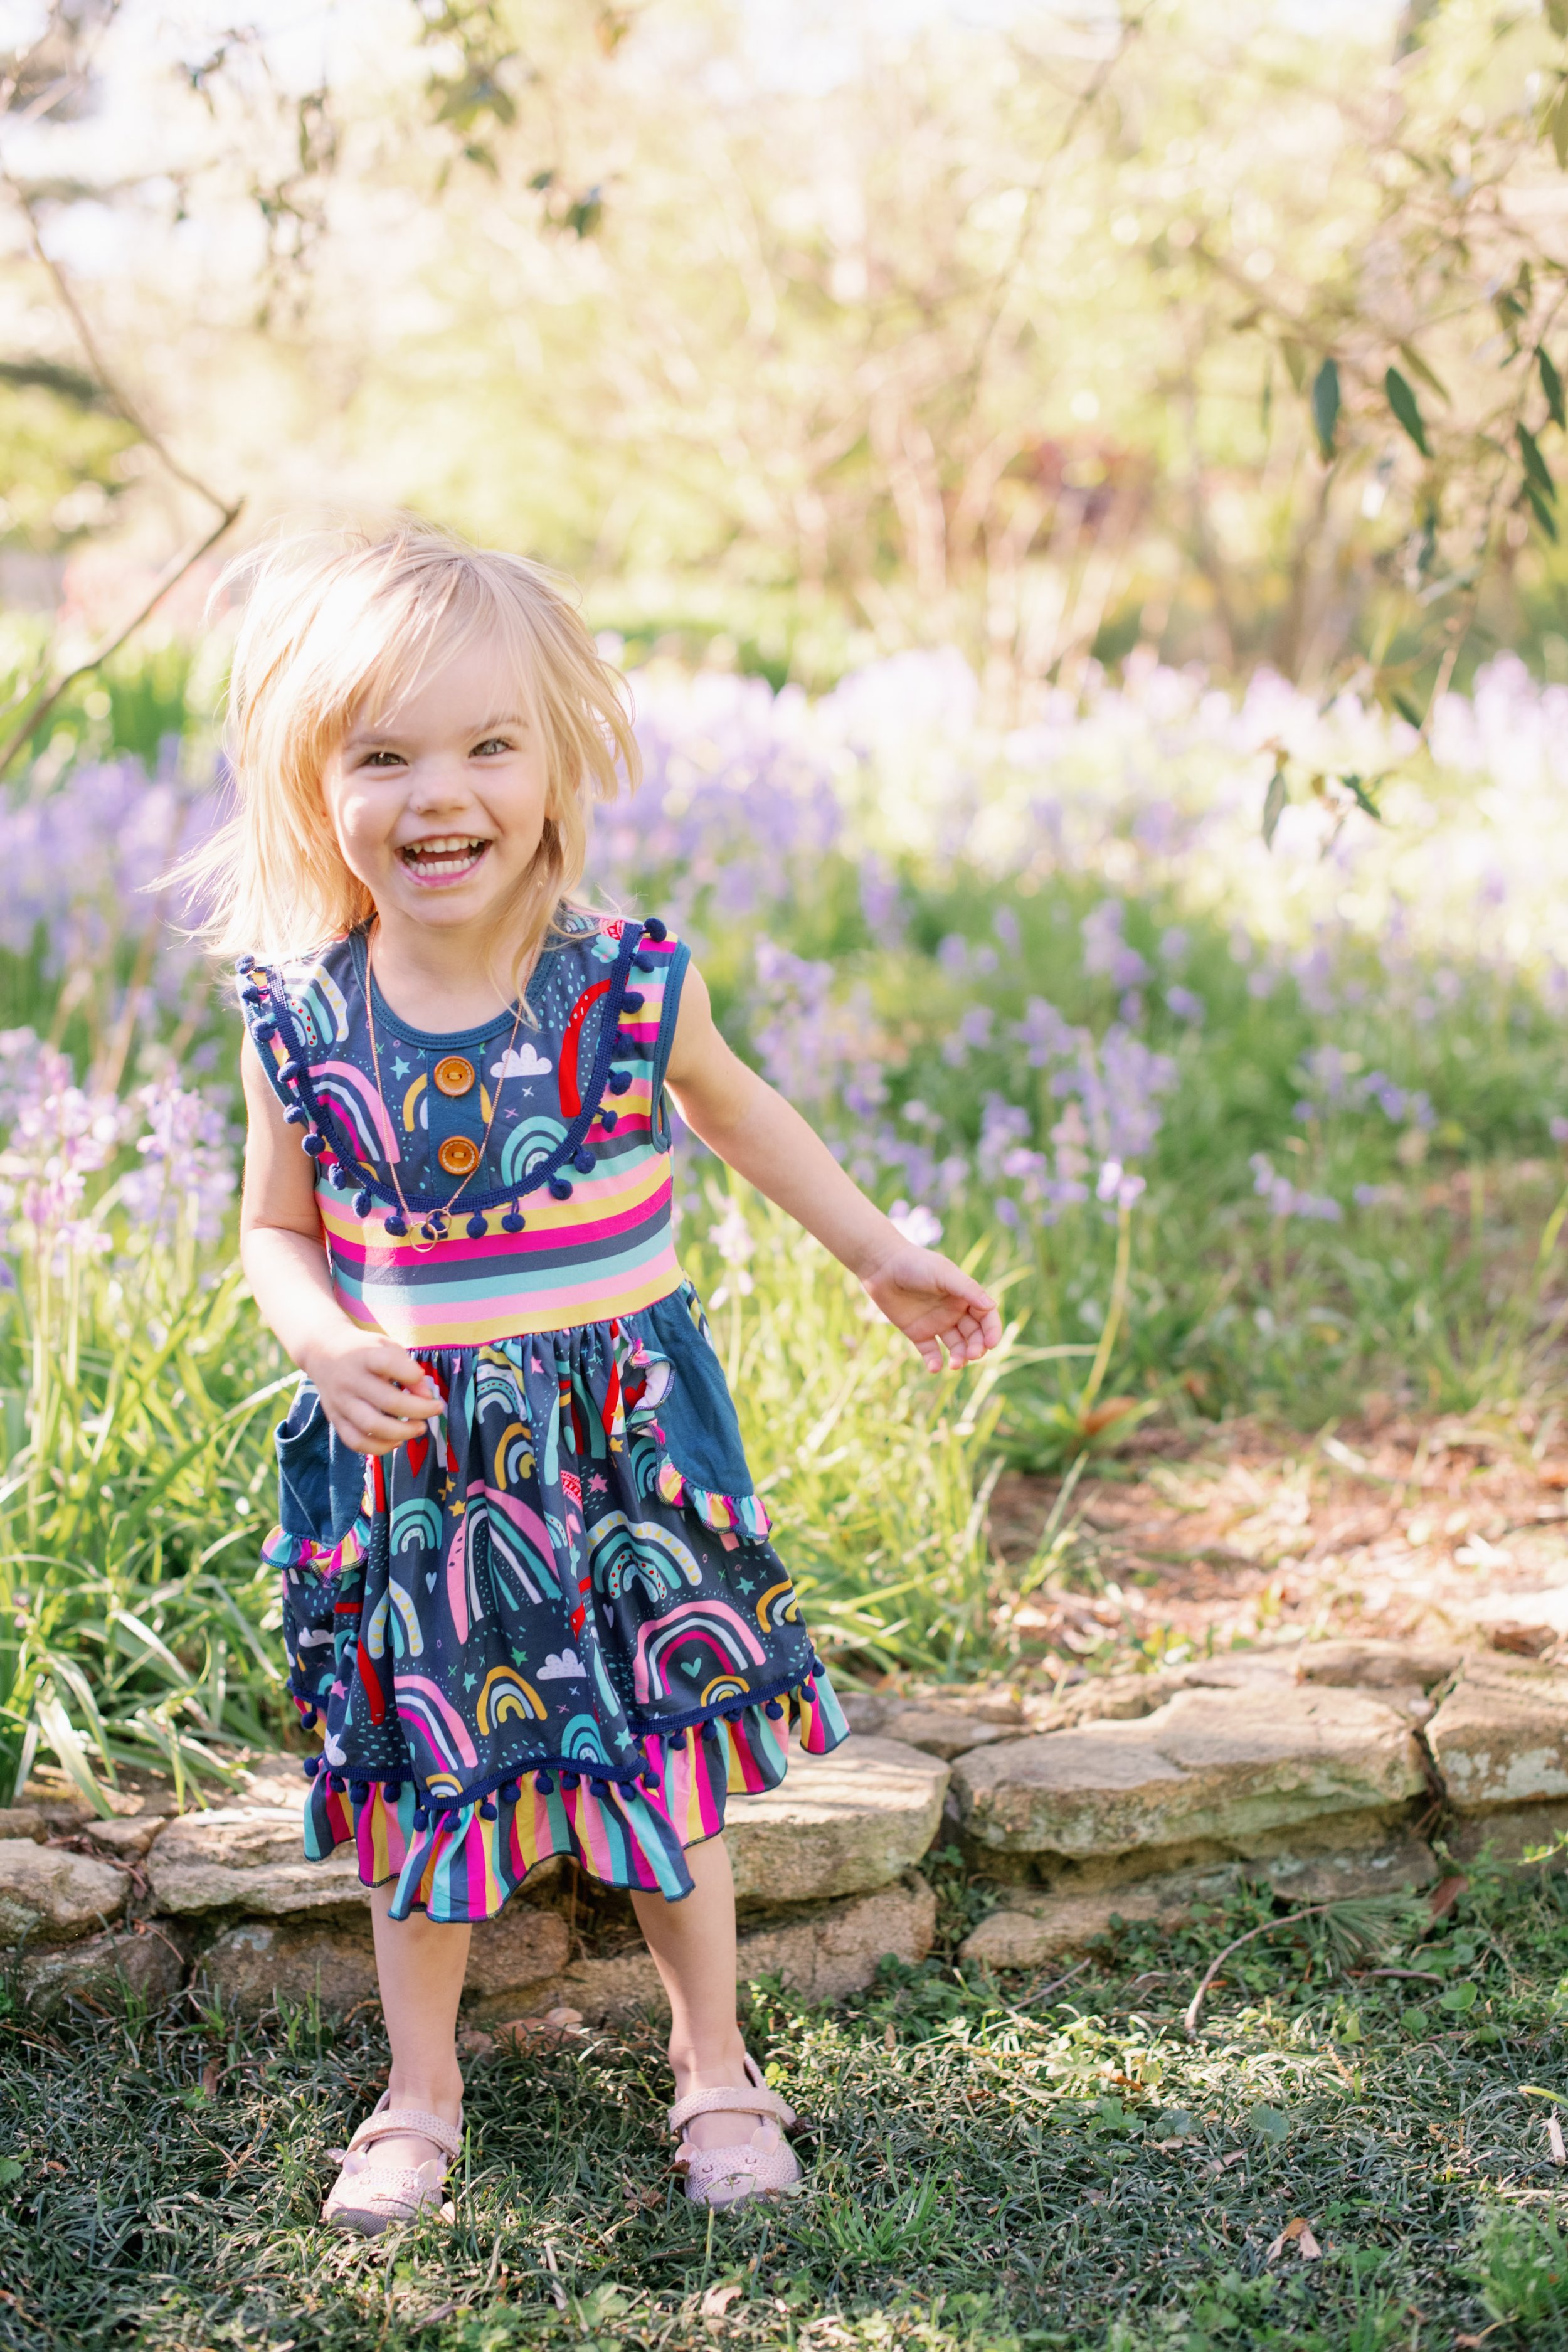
point(261, 1962)
point(1027, 1932)
point(269, 1890)
point(1371, 1665)
point(126, 1841)
point(247, 1858)
point(1500, 1737)
point(23, 1821)
point(1224, 1765)
point(1506, 1834)
point(1101, 1698)
point(1401, 1867)
point(517, 1949)
point(942, 1731)
point(829, 1950)
point(104, 1970)
point(838, 1824)
point(54, 1894)
point(238, 1837)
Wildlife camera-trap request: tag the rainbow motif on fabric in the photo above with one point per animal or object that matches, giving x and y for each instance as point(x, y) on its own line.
point(465, 1865)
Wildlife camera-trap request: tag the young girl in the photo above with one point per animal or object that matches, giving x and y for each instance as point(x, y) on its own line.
point(528, 1585)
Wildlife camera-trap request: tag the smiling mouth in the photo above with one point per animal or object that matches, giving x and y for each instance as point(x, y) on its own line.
point(446, 857)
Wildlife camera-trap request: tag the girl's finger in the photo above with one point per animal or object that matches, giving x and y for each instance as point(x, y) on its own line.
point(394, 1403)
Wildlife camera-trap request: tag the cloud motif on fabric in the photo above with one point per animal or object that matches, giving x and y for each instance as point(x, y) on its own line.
point(561, 1667)
point(524, 1061)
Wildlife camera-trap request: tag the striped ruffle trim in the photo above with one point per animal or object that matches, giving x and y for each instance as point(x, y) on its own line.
point(462, 1861)
point(286, 1551)
point(744, 1515)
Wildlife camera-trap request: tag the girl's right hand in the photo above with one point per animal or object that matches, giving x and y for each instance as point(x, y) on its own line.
point(374, 1392)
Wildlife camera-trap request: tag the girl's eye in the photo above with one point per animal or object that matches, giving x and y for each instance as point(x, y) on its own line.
point(383, 760)
point(491, 743)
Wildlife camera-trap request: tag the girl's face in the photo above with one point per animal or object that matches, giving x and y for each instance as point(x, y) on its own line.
point(439, 805)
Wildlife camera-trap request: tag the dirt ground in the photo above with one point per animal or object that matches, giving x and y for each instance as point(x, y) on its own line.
point(1394, 1527)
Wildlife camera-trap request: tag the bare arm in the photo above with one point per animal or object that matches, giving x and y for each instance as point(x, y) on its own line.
point(739, 1116)
point(373, 1390)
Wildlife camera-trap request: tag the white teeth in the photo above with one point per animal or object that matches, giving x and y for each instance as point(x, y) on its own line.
point(448, 847)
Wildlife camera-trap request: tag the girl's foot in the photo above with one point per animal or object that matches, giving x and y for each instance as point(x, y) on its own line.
point(394, 2166)
point(731, 2130)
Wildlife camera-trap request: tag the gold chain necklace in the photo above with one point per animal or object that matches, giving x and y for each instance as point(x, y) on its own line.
point(432, 1228)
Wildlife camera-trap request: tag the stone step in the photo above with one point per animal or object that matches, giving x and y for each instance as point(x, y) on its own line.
point(1500, 1737)
point(1224, 1766)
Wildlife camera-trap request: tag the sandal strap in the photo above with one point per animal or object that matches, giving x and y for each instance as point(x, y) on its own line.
point(754, 2100)
point(386, 2121)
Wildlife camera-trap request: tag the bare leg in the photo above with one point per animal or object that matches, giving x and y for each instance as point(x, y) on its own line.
point(420, 1963)
point(693, 1948)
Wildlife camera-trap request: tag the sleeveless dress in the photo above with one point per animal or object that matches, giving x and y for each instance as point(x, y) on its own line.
point(552, 1622)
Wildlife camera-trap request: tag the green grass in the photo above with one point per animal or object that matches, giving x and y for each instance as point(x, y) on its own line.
point(991, 2166)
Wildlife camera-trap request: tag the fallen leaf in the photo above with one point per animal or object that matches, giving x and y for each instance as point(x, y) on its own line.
point(889, 2038)
point(1444, 1897)
point(1104, 1415)
point(718, 2299)
point(1555, 2134)
point(209, 2078)
point(551, 2027)
point(1297, 2232)
point(434, 2319)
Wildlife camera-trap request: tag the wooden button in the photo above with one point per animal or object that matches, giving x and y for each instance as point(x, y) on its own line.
point(453, 1076)
point(459, 1155)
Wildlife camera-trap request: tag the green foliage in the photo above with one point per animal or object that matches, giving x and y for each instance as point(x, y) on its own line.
point(880, 1472)
point(135, 1623)
point(992, 2167)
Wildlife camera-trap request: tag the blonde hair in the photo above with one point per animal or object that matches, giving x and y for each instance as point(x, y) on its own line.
point(332, 622)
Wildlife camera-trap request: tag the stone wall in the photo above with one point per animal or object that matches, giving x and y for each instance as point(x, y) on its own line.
point(1326, 1768)
point(825, 1879)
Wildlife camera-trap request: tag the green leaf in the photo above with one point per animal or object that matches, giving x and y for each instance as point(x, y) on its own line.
point(1542, 512)
point(1326, 408)
point(1418, 367)
point(1406, 708)
point(63, 1738)
point(1402, 400)
point(1362, 798)
point(1274, 802)
point(1535, 465)
point(10, 2171)
point(1268, 2123)
point(1296, 357)
point(1458, 1997)
point(1552, 385)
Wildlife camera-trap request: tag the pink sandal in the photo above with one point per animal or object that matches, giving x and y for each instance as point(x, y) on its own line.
point(764, 2165)
point(370, 2198)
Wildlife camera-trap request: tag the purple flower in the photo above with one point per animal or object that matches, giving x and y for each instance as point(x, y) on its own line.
point(1185, 1005)
point(1105, 951)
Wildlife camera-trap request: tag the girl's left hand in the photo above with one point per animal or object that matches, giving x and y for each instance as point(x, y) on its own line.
point(935, 1303)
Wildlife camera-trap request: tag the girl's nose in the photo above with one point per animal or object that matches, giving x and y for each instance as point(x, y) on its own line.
point(437, 783)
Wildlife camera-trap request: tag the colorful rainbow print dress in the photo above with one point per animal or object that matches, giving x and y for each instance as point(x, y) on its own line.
point(552, 1623)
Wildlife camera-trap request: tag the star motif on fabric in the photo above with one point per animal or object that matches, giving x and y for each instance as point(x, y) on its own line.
point(401, 1068)
point(528, 1090)
point(468, 1681)
point(520, 1657)
point(597, 1485)
point(459, 1506)
point(746, 1583)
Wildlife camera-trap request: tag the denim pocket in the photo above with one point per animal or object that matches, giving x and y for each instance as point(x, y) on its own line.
point(320, 1480)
